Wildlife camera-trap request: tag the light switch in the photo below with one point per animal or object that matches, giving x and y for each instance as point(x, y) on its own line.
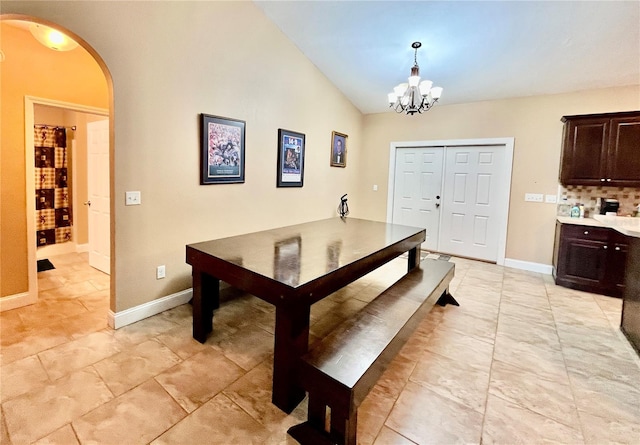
point(132, 198)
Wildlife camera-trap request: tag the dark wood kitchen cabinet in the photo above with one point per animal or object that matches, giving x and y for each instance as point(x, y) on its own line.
point(589, 258)
point(601, 149)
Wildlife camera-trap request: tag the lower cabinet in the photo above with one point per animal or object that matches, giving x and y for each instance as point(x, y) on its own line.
point(591, 259)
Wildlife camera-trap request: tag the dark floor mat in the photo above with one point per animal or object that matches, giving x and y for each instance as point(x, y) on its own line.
point(45, 265)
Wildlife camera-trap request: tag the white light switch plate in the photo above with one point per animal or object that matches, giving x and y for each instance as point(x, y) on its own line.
point(132, 199)
point(533, 197)
point(551, 199)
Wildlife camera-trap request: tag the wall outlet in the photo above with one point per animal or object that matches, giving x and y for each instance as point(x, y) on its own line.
point(132, 198)
point(160, 272)
point(533, 197)
point(375, 187)
point(551, 199)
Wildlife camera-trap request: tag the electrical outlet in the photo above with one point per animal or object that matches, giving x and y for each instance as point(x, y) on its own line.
point(533, 197)
point(132, 198)
point(375, 187)
point(551, 199)
point(160, 272)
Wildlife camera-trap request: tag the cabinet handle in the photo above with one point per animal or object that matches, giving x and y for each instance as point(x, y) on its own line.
point(605, 247)
point(586, 232)
point(602, 180)
point(608, 179)
point(617, 248)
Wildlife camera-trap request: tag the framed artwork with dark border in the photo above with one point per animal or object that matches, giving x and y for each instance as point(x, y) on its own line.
point(221, 150)
point(290, 159)
point(338, 149)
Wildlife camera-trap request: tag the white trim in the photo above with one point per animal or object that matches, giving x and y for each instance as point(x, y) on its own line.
point(503, 208)
point(80, 248)
point(149, 309)
point(528, 265)
point(17, 300)
point(31, 296)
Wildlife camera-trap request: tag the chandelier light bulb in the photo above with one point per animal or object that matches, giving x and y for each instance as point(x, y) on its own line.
point(414, 96)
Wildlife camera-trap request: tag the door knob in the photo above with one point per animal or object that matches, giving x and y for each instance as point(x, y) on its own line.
point(87, 203)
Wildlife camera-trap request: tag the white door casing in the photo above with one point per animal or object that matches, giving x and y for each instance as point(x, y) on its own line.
point(498, 183)
point(98, 193)
point(418, 190)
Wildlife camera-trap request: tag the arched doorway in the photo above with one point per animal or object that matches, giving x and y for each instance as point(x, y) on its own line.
point(77, 81)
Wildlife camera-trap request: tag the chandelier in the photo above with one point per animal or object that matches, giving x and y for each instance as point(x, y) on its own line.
point(415, 96)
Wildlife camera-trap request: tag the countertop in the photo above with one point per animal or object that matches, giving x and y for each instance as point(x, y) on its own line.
point(624, 224)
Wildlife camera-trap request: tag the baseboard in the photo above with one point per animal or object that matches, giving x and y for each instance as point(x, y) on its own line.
point(146, 310)
point(17, 300)
point(80, 248)
point(527, 265)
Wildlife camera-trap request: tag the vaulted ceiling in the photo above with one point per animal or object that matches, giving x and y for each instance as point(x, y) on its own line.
point(475, 50)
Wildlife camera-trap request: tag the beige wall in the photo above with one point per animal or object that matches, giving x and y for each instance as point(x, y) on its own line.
point(31, 69)
point(186, 58)
point(535, 124)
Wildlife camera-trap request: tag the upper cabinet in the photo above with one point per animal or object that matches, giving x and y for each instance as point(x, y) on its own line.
point(601, 149)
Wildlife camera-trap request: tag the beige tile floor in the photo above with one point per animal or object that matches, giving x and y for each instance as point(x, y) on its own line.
point(520, 361)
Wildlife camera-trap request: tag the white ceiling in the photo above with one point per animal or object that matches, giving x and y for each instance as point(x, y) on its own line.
point(475, 50)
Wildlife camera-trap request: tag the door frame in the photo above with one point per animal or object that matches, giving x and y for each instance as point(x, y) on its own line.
point(29, 120)
point(503, 205)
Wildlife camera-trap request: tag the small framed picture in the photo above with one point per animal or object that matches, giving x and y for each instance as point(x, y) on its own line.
point(338, 149)
point(221, 150)
point(290, 158)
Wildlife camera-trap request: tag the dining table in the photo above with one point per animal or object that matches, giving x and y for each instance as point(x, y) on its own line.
point(291, 268)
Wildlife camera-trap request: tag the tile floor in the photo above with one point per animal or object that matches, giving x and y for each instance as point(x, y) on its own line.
point(520, 361)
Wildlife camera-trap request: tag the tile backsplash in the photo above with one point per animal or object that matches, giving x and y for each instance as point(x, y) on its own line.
point(589, 196)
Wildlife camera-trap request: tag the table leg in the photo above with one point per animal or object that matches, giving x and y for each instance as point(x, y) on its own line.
point(291, 342)
point(414, 258)
point(206, 297)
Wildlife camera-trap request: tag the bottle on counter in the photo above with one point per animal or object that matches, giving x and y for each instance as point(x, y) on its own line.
point(575, 211)
point(581, 207)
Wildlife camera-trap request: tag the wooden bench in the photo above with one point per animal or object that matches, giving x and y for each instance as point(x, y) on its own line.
point(341, 369)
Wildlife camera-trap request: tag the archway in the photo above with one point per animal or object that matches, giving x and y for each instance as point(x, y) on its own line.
point(18, 262)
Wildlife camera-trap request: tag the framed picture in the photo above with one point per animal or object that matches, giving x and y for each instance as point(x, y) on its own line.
point(338, 149)
point(221, 150)
point(290, 158)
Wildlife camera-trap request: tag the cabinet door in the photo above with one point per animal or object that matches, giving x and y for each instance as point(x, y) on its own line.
point(585, 262)
point(623, 158)
point(584, 151)
point(616, 262)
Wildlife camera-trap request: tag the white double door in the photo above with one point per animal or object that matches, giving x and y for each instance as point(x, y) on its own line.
point(456, 193)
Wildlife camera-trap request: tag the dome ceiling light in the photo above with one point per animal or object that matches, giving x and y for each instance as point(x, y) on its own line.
point(52, 38)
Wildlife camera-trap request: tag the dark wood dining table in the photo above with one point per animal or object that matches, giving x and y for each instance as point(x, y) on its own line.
point(293, 267)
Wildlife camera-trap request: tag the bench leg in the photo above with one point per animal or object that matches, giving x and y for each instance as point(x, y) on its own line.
point(447, 298)
point(343, 429)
